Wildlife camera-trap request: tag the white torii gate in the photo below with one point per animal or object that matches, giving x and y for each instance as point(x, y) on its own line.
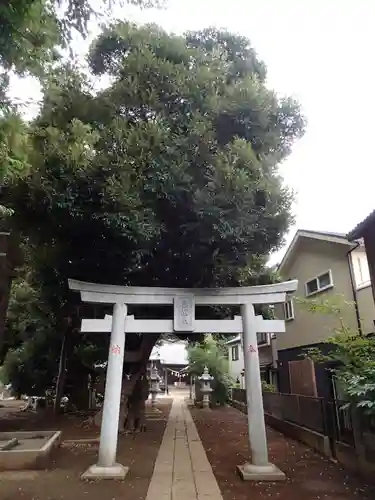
point(184, 301)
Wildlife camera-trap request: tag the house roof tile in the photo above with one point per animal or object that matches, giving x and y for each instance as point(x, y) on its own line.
point(329, 236)
point(360, 228)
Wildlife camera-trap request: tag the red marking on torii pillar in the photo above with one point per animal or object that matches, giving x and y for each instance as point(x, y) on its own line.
point(115, 349)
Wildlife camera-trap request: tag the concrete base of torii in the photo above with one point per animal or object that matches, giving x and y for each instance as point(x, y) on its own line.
point(117, 471)
point(270, 472)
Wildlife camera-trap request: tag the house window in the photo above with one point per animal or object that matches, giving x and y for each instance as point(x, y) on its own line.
point(235, 356)
point(319, 284)
point(265, 375)
point(361, 270)
point(262, 338)
point(289, 310)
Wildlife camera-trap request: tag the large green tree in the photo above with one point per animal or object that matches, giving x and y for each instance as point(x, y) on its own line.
point(167, 177)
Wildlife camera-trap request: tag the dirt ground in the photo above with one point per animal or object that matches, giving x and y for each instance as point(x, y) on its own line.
point(61, 481)
point(309, 476)
point(7, 406)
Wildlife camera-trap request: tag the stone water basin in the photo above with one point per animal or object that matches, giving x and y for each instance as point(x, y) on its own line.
point(27, 449)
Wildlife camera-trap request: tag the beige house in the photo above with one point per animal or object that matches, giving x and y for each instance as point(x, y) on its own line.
point(267, 359)
point(325, 264)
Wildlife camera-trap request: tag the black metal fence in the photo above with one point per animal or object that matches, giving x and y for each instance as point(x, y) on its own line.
point(368, 434)
point(238, 395)
point(302, 410)
point(330, 418)
point(317, 414)
point(342, 418)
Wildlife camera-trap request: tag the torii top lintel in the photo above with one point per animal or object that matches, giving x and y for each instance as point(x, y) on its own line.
point(113, 294)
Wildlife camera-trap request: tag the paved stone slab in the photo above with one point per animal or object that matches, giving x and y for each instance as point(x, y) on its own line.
point(182, 470)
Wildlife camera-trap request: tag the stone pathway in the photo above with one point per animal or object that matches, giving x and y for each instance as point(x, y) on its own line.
point(182, 471)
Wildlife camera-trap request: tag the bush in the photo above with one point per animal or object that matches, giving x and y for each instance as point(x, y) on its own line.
point(350, 355)
point(266, 387)
point(212, 354)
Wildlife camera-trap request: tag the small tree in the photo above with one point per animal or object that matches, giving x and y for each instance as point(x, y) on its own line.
point(266, 387)
point(351, 355)
point(214, 355)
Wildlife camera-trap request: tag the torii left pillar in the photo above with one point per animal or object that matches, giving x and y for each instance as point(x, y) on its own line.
point(107, 467)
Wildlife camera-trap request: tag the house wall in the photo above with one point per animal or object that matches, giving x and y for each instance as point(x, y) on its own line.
point(366, 306)
point(365, 299)
point(312, 258)
point(307, 329)
point(236, 367)
point(369, 240)
point(360, 267)
point(265, 355)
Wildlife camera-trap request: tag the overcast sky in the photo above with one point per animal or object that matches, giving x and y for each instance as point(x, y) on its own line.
point(321, 52)
point(171, 353)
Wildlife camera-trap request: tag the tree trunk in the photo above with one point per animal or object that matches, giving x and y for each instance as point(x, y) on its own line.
point(10, 258)
point(60, 383)
point(129, 385)
point(136, 403)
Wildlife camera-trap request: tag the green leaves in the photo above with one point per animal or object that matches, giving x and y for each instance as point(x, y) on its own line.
point(31, 346)
point(214, 355)
point(14, 148)
point(352, 355)
point(29, 35)
point(266, 387)
point(32, 34)
point(33, 30)
point(14, 153)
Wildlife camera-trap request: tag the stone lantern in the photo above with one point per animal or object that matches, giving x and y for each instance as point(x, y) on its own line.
point(206, 389)
point(154, 385)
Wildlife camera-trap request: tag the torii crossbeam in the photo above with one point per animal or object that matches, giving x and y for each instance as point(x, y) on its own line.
point(229, 326)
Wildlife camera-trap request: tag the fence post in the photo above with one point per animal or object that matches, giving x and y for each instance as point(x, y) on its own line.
point(323, 409)
point(357, 433)
point(230, 395)
point(298, 409)
point(332, 424)
point(282, 412)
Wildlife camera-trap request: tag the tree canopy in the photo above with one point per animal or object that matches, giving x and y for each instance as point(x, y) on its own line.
point(33, 31)
point(168, 177)
point(34, 34)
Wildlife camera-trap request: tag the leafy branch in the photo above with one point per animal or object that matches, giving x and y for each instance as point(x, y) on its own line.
point(351, 355)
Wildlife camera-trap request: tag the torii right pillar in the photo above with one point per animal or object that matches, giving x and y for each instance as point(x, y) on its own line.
point(259, 469)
